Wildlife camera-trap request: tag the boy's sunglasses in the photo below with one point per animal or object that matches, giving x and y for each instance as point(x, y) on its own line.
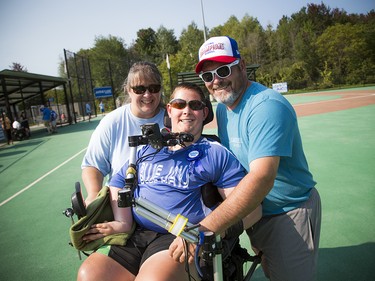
point(193, 104)
point(152, 89)
point(221, 72)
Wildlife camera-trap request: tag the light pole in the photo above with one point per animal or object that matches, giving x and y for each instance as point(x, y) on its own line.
point(204, 24)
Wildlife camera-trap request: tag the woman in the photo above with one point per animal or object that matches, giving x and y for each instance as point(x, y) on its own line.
point(7, 127)
point(108, 149)
point(171, 178)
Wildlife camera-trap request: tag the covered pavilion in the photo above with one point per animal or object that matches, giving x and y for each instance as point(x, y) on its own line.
point(17, 87)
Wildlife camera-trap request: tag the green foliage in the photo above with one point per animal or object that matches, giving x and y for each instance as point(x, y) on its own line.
point(166, 43)
point(17, 67)
point(145, 44)
point(326, 75)
point(316, 46)
point(345, 49)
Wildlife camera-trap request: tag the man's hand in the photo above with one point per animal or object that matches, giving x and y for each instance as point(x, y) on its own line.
point(177, 250)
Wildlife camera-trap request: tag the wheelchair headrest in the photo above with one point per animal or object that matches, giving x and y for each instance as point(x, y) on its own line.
point(209, 118)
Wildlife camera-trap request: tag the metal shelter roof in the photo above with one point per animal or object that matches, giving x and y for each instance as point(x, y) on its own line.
point(17, 86)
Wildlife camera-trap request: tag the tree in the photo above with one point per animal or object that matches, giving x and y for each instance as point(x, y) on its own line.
point(17, 67)
point(344, 48)
point(190, 41)
point(305, 51)
point(185, 59)
point(109, 62)
point(145, 44)
point(166, 43)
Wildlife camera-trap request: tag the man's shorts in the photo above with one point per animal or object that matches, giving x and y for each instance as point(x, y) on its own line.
point(290, 241)
point(141, 245)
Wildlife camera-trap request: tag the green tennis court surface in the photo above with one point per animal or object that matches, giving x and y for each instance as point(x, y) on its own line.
point(37, 178)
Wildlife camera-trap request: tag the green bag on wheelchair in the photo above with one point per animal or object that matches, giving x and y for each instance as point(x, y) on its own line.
point(98, 211)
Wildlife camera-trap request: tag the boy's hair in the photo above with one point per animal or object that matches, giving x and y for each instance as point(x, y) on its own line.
point(189, 86)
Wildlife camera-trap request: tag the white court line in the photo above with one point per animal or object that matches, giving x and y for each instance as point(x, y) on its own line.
point(334, 100)
point(45, 175)
point(42, 177)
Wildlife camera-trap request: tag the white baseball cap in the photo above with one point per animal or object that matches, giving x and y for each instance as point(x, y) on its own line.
point(220, 49)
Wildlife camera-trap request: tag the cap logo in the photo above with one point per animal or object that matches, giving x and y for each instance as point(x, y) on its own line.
point(211, 47)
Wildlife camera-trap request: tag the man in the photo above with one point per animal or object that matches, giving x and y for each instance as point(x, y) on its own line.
point(46, 112)
point(88, 110)
point(53, 121)
point(260, 127)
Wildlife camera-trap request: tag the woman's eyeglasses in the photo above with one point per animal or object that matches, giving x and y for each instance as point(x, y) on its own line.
point(193, 104)
point(152, 89)
point(221, 72)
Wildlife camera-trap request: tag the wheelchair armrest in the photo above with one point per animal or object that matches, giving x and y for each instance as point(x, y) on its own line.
point(210, 195)
point(78, 204)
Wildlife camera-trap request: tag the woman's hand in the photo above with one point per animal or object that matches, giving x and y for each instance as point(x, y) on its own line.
point(177, 250)
point(101, 230)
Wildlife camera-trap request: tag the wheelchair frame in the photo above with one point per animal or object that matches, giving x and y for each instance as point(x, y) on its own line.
point(212, 245)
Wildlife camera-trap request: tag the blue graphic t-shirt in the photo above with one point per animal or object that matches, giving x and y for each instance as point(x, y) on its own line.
point(173, 179)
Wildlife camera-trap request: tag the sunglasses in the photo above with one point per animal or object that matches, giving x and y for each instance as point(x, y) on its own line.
point(221, 72)
point(193, 104)
point(152, 89)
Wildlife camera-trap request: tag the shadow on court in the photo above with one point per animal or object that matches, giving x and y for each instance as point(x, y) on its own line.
point(41, 172)
point(352, 263)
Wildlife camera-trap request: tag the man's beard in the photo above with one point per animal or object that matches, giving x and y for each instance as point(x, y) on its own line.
point(227, 98)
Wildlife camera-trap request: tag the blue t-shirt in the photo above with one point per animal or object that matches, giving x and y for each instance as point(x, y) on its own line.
point(46, 114)
point(264, 124)
point(53, 115)
point(173, 179)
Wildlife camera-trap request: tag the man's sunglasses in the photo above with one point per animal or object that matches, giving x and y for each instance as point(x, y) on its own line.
point(193, 104)
point(152, 89)
point(221, 72)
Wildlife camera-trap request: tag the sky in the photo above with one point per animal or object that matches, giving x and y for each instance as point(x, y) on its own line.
point(35, 33)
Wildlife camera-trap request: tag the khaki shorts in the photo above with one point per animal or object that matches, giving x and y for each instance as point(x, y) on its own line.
point(290, 241)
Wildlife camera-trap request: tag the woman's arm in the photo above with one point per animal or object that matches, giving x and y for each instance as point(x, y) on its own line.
point(122, 222)
point(93, 181)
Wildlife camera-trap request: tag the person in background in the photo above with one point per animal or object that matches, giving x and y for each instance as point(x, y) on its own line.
point(16, 125)
point(7, 127)
point(88, 110)
point(108, 148)
point(102, 108)
point(260, 127)
point(25, 123)
point(46, 117)
point(63, 117)
point(53, 121)
point(172, 178)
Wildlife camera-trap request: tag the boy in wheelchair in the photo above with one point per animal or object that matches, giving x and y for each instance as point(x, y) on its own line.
point(171, 177)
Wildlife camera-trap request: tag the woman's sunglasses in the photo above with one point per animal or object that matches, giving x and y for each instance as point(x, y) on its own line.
point(193, 104)
point(152, 89)
point(221, 72)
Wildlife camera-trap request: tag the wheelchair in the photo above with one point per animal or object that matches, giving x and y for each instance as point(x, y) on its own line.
point(220, 259)
point(20, 134)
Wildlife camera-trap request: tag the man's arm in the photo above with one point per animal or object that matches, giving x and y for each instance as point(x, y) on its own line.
point(93, 181)
point(246, 197)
